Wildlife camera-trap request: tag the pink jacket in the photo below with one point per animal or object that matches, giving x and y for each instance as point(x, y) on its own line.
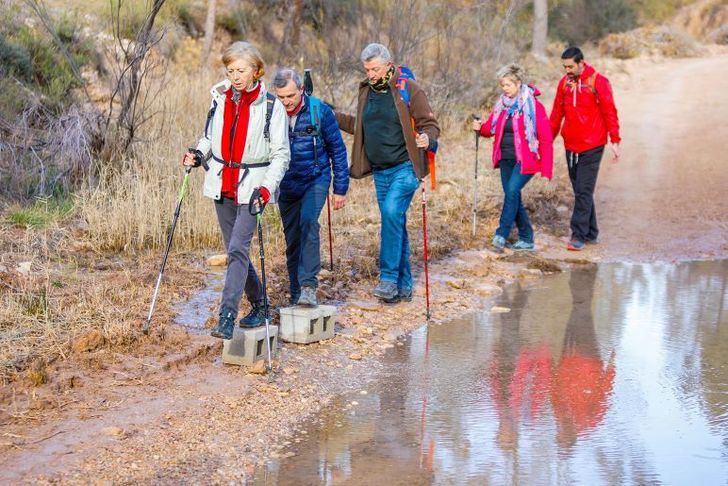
point(530, 164)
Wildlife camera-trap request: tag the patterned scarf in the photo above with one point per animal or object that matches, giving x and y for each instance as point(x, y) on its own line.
point(524, 102)
point(383, 83)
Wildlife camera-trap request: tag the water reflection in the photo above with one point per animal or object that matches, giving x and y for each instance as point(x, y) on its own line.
point(616, 375)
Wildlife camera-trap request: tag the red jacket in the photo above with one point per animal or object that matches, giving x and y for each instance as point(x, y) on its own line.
point(587, 108)
point(530, 164)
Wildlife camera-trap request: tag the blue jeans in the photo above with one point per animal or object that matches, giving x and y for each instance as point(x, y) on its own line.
point(395, 188)
point(513, 211)
point(301, 228)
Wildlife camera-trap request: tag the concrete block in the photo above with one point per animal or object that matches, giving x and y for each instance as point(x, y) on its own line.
point(303, 325)
point(248, 346)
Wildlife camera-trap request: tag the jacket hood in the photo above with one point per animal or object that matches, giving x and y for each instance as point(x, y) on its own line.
point(536, 91)
point(218, 91)
point(588, 71)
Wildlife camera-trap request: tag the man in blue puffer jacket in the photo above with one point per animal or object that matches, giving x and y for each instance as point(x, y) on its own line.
point(316, 148)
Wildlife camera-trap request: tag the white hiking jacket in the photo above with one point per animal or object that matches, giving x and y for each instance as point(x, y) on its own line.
point(257, 148)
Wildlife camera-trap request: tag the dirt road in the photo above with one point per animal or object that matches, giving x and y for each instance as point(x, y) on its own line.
point(186, 417)
point(666, 199)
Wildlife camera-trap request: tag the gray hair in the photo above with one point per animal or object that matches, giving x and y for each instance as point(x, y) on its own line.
point(375, 50)
point(513, 71)
point(284, 75)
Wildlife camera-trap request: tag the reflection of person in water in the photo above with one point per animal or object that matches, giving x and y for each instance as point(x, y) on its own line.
point(581, 384)
point(519, 375)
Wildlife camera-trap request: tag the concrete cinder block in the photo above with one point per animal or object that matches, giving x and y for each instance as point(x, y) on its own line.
point(305, 325)
point(248, 346)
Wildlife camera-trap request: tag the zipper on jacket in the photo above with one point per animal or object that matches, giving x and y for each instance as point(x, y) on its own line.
point(233, 128)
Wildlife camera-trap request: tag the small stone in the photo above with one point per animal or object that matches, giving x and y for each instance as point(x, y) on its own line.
point(217, 260)
point(290, 371)
point(355, 403)
point(355, 356)
point(363, 392)
point(113, 431)
point(364, 305)
point(496, 309)
point(258, 368)
point(88, 342)
point(530, 273)
point(24, 268)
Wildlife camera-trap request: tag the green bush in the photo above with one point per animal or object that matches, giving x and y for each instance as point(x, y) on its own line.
point(41, 213)
point(15, 60)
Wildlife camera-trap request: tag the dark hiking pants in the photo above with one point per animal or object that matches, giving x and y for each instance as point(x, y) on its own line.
point(237, 227)
point(301, 229)
point(583, 171)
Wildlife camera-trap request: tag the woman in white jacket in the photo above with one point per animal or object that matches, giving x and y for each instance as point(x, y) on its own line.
point(245, 145)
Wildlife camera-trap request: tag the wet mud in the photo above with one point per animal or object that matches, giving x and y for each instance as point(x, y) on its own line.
point(614, 374)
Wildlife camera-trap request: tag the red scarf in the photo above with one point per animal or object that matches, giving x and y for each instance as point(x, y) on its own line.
point(297, 108)
point(232, 144)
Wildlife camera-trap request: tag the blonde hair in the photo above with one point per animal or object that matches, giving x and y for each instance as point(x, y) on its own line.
point(513, 71)
point(247, 52)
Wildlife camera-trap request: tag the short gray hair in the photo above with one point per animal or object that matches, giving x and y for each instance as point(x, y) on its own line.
point(284, 75)
point(513, 71)
point(375, 50)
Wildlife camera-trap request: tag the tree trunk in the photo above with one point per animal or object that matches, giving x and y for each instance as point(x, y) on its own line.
point(209, 32)
point(540, 28)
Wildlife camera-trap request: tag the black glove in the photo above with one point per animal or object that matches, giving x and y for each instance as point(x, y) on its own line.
point(199, 158)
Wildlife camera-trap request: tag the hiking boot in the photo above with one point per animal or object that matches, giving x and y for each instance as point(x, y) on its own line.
point(294, 296)
point(595, 241)
point(225, 325)
point(499, 243)
point(256, 316)
point(575, 245)
point(308, 297)
point(385, 290)
point(521, 245)
point(403, 295)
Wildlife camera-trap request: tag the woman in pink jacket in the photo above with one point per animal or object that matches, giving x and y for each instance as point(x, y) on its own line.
point(522, 147)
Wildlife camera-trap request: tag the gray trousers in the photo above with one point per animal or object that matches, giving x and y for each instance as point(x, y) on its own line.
point(237, 226)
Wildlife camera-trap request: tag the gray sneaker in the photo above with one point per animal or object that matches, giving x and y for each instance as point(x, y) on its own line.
point(307, 297)
point(386, 290)
point(499, 243)
point(403, 295)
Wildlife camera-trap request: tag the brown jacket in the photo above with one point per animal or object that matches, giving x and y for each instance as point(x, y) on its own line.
point(419, 111)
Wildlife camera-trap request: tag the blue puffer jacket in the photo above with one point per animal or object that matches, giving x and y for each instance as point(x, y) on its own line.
point(303, 170)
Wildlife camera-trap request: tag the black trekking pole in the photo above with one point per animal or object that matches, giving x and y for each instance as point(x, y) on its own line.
point(180, 198)
point(423, 162)
point(256, 209)
point(308, 91)
point(475, 181)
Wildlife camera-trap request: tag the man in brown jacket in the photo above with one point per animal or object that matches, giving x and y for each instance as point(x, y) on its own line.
point(388, 134)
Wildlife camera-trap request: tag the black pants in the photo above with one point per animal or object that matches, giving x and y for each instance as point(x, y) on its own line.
point(583, 171)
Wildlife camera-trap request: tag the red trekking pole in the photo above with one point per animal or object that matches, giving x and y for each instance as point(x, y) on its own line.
point(423, 161)
point(331, 244)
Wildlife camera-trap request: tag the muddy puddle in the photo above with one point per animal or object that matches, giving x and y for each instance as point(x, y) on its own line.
point(616, 374)
point(194, 312)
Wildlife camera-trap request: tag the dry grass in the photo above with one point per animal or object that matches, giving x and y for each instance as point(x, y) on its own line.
point(662, 41)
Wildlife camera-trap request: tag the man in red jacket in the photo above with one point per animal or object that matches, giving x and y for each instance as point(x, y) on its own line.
point(585, 104)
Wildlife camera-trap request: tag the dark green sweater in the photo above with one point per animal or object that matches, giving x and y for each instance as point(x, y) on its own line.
point(383, 138)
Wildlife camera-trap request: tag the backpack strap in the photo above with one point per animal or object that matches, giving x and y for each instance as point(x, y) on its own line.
point(592, 83)
point(270, 102)
point(210, 114)
point(403, 74)
point(315, 109)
